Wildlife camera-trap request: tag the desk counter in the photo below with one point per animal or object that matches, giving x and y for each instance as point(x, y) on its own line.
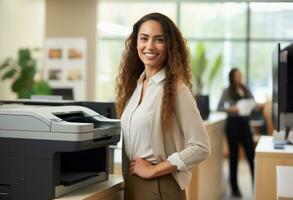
point(112, 189)
point(207, 178)
point(266, 160)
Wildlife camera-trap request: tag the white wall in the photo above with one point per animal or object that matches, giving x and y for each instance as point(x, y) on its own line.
point(21, 25)
point(75, 18)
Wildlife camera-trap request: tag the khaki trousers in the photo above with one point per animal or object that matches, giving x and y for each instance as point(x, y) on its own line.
point(160, 188)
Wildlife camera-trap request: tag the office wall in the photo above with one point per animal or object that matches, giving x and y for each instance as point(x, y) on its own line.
point(75, 18)
point(21, 25)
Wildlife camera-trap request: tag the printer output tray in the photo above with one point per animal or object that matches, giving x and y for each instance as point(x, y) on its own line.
point(71, 178)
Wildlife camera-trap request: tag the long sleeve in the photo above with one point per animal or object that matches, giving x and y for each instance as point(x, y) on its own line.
point(191, 125)
point(249, 94)
point(225, 101)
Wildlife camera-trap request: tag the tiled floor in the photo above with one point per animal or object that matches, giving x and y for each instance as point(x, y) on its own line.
point(244, 181)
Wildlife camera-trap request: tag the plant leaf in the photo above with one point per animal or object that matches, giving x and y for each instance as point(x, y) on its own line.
point(18, 84)
point(10, 73)
point(24, 93)
point(5, 63)
point(24, 56)
point(41, 88)
point(199, 65)
point(28, 72)
point(201, 60)
point(23, 87)
point(214, 69)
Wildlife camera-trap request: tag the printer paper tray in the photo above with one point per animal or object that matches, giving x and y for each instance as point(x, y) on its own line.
point(70, 178)
point(62, 189)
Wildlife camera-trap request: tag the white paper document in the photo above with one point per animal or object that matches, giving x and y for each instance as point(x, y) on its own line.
point(245, 106)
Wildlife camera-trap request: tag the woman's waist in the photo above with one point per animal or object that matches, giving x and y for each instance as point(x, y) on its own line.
point(150, 157)
point(232, 118)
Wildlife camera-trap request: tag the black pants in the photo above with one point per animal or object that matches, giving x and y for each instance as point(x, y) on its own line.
point(238, 132)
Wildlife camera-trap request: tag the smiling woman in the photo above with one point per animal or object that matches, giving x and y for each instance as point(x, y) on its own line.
point(163, 133)
point(151, 45)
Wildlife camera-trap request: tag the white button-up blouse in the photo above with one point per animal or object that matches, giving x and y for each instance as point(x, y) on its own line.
point(136, 121)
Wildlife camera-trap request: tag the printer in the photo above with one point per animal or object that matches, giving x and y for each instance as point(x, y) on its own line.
point(46, 152)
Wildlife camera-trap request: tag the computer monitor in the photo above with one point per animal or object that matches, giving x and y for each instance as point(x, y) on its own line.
point(66, 93)
point(282, 106)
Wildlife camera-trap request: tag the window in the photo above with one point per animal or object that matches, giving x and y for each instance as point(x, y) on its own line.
point(270, 23)
point(213, 20)
point(272, 20)
point(245, 33)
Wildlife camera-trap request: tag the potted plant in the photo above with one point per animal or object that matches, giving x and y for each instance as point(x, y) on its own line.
point(22, 71)
point(201, 68)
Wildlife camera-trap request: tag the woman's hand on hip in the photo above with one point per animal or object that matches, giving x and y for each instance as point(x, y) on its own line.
point(233, 109)
point(142, 168)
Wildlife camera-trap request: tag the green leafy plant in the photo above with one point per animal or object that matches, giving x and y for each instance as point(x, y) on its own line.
point(200, 66)
point(22, 71)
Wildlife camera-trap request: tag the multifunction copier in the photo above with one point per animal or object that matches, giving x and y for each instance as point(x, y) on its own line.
point(46, 152)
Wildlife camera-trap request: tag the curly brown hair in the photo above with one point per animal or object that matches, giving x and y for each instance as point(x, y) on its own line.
point(177, 67)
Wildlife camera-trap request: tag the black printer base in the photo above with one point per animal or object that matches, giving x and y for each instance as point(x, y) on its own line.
point(31, 169)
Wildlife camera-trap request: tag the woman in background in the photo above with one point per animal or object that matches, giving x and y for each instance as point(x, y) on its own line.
point(163, 133)
point(237, 127)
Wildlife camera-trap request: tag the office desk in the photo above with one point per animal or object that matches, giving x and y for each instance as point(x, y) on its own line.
point(207, 178)
point(266, 160)
point(112, 189)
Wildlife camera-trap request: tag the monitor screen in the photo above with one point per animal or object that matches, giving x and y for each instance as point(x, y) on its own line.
point(275, 100)
point(288, 59)
point(282, 105)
